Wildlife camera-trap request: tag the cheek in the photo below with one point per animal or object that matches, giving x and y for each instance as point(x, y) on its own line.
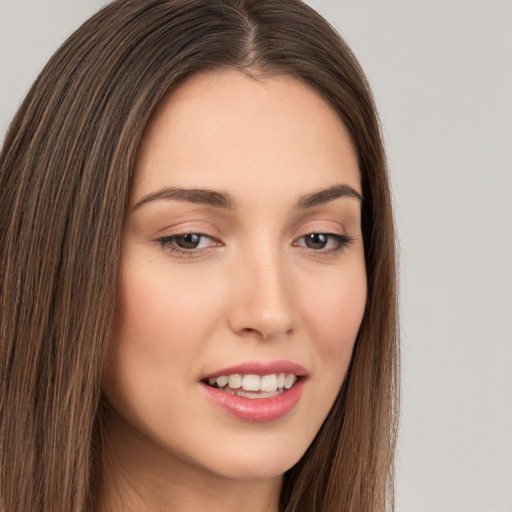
point(157, 315)
point(156, 338)
point(156, 335)
point(334, 316)
point(335, 309)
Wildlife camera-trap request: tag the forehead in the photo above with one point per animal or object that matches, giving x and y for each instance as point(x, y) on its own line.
point(221, 128)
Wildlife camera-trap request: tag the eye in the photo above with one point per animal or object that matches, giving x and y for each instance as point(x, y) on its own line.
point(187, 243)
point(324, 242)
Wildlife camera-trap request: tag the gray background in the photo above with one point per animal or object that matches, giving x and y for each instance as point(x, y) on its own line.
point(442, 76)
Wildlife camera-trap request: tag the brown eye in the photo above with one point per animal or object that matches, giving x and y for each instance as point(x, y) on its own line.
point(316, 240)
point(324, 243)
point(187, 241)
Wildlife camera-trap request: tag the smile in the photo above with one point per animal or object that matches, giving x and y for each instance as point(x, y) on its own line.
point(254, 386)
point(256, 391)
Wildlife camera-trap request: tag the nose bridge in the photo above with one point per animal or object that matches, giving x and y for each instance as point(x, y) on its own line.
point(263, 304)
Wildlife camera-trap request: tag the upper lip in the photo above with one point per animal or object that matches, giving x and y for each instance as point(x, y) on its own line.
point(260, 368)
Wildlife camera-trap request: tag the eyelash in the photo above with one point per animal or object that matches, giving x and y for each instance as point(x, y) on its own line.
point(169, 243)
point(341, 242)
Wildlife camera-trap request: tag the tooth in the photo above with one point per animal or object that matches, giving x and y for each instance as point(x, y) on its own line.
point(289, 381)
point(269, 382)
point(280, 380)
point(235, 381)
point(251, 382)
point(222, 381)
point(212, 381)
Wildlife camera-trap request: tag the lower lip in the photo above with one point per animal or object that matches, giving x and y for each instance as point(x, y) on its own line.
point(257, 410)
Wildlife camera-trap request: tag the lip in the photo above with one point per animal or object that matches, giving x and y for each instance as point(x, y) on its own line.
point(260, 368)
point(257, 410)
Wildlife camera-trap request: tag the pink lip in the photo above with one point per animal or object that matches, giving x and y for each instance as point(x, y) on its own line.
point(260, 368)
point(258, 410)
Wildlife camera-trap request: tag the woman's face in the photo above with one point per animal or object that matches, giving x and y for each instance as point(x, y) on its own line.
point(242, 260)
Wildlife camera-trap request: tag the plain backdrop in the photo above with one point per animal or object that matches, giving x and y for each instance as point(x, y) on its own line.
point(441, 72)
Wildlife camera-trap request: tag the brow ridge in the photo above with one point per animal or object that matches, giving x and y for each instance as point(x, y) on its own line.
point(224, 200)
point(193, 195)
point(327, 195)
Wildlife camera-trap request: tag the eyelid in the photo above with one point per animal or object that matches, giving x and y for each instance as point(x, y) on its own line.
point(168, 243)
point(336, 239)
point(341, 240)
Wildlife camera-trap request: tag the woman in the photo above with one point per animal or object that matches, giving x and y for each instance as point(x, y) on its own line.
point(197, 263)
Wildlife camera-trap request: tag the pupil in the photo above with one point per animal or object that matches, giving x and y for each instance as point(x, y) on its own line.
point(189, 241)
point(316, 241)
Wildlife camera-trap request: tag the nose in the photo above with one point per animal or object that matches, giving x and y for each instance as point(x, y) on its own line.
point(262, 303)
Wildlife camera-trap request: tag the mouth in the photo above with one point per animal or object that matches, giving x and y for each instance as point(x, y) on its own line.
point(253, 386)
point(256, 391)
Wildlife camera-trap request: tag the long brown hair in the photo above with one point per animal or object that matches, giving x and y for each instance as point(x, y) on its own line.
point(65, 172)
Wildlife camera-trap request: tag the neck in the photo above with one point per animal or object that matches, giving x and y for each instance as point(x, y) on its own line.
point(140, 476)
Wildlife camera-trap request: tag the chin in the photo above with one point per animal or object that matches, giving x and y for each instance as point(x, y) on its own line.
point(259, 461)
point(251, 469)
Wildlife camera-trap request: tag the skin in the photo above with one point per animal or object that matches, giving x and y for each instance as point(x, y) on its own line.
point(251, 291)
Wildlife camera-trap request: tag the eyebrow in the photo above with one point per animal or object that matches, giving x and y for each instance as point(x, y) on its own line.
point(224, 200)
point(327, 195)
point(191, 195)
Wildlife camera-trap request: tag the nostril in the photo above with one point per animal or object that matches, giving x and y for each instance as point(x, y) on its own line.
point(254, 332)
